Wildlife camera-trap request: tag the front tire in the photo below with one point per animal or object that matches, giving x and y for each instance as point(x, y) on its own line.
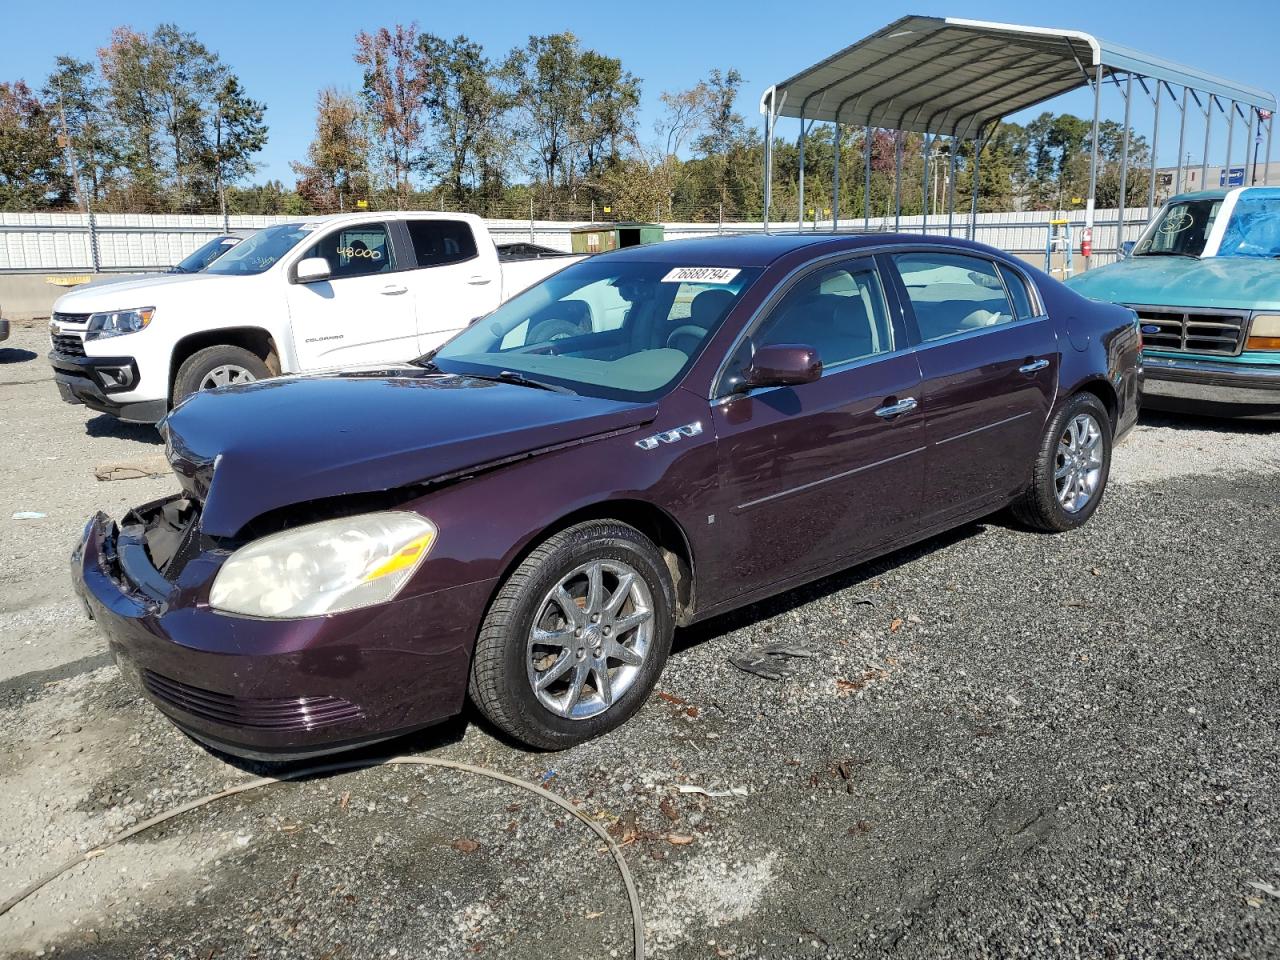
point(576, 637)
point(218, 366)
point(1071, 470)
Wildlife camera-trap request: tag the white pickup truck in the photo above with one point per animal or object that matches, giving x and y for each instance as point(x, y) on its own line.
point(353, 289)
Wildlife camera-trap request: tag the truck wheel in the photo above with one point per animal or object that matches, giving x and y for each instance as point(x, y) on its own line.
point(217, 366)
point(576, 637)
point(549, 330)
point(1071, 468)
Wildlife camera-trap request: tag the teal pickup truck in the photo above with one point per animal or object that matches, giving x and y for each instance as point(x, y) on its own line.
point(1205, 283)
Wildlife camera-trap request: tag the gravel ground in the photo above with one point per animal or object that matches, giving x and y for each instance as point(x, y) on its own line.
point(1023, 745)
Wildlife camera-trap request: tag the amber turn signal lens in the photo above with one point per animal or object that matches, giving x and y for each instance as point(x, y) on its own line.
point(1262, 343)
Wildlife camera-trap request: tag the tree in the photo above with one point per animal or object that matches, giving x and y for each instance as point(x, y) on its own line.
point(550, 99)
point(185, 77)
point(75, 98)
point(336, 170)
point(467, 99)
point(235, 131)
point(129, 72)
point(397, 79)
point(32, 174)
point(606, 118)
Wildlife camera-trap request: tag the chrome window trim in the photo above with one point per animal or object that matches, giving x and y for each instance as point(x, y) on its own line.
point(1033, 292)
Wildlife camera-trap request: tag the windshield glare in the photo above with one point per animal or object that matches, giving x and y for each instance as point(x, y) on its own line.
point(261, 251)
point(1254, 227)
point(1180, 230)
point(620, 329)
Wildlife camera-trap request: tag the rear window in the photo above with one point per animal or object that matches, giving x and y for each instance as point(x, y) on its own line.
point(440, 242)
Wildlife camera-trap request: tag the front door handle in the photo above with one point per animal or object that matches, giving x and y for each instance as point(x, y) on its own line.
point(1033, 366)
point(905, 405)
point(392, 290)
point(479, 280)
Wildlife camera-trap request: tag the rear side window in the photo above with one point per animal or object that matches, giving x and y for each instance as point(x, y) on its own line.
point(355, 251)
point(952, 294)
point(1023, 305)
point(440, 242)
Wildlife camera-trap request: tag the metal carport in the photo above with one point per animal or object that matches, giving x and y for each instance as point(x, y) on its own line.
point(956, 79)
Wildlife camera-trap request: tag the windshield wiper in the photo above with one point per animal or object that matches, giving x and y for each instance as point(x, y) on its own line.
point(511, 376)
point(1168, 253)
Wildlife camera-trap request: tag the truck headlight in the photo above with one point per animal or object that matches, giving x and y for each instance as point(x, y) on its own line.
point(116, 323)
point(1264, 333)
point(325, 567)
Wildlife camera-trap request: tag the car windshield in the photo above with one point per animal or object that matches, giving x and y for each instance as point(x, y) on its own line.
point(1254, 227)
point(605, 327)
point(261, 251)
point(204, 255)
point(1180, 230)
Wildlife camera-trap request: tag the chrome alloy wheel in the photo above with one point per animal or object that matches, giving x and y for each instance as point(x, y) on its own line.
point(1077, 470)
point(226, 375)
point(589, 639)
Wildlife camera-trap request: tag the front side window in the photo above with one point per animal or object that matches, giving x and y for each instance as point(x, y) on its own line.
point(1181, 229)
point(952, 294)
point(440, 242)
point(262, 251)
point(1254, 227)
point(621, 329)
point(839, 311)
point(355, 251)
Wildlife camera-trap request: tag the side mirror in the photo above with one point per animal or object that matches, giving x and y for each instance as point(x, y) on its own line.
point(1126, 249)
point(782, 365)
point(311, 270)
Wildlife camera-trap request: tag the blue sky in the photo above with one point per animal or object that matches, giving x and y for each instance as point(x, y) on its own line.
point(285, 52)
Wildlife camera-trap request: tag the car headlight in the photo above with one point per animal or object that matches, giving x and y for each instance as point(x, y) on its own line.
point(1264, 332)
point(116, 323)
point(325, 567)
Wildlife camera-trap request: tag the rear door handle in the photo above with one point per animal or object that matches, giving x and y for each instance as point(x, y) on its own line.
point(905, 405)
point(392, 290)
point(479, 280)
point(1033, 366)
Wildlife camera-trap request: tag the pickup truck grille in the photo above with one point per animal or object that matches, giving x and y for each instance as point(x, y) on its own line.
point(1198, 330)
point(68, 344)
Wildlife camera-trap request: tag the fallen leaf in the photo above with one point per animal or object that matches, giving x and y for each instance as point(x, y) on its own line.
point(668, 808)
point(672, 698)
point(1096, 572)
point(345, 800)
point(691, 712)
point(679, 839)
point(896, 625)
point(465, 846)
point(597, 913)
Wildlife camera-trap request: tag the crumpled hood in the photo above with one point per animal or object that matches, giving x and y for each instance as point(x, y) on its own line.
point(1232, 283)
point(251, 449)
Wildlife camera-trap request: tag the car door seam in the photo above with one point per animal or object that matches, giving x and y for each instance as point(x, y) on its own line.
point(989, 426)
point(816, 483)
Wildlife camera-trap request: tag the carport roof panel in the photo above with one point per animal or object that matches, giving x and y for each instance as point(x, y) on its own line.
point(951, 76)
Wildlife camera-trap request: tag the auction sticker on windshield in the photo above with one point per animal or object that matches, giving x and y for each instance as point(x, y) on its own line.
point(701, 275)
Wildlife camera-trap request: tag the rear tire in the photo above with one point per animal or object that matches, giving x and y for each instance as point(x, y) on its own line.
point(205, 369)
point(545, 627)
point(1071, 469)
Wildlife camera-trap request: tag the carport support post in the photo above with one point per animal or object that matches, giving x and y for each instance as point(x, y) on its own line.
point(1182, 139)
point(1155, 139)
point(1266, 163)
point(924, 190)
point(897, 180)
point(1251, 149)
point(1124, 164)
point(768, 157)
point(1208, 125)
point(867, 177)
point(835, 182)
point(1231, 132)
point(800, 201)
point(978, 143)
point(1093, 163)
point(951, 186)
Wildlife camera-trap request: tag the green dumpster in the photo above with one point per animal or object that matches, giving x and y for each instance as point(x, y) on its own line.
point(600, 237)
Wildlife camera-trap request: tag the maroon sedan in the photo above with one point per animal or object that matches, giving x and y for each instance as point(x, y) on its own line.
point(526, 516)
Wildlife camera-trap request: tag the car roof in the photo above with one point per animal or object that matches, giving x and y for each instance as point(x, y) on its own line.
point(760, 250)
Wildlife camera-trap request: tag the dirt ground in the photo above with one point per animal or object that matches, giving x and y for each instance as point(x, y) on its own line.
point(1007, 745)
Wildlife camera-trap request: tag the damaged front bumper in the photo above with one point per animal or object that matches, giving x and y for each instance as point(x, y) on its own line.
point(267, 689)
